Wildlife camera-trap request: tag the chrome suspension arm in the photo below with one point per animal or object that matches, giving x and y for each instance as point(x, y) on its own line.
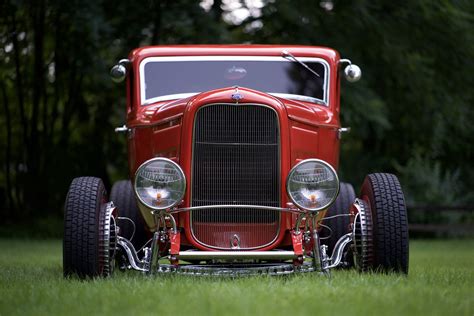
point(131, 253)
point(338, 251)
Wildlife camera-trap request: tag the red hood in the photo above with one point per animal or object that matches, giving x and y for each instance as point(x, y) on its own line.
point(303, 112)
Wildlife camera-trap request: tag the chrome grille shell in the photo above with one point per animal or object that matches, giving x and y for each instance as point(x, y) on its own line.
point(236, 160)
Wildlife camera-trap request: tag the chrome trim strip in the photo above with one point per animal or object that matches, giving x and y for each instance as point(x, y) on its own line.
point(289, 96)
point(256, 207)
point(143, 101)
point(262, 255)
point(192, 172)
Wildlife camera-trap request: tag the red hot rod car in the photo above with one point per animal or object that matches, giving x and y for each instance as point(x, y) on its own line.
point(233, 158)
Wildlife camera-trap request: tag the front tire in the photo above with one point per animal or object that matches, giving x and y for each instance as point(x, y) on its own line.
point(383, 194)
point(124, 199)
point(89, 230)
point(340, 225)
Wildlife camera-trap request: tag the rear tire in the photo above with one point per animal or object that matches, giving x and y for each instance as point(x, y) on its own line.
point(384, 196)
point(89, 230)
point(124, 199)
point(339, 225)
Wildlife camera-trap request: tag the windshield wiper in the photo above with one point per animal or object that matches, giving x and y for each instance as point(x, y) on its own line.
point(287, 54)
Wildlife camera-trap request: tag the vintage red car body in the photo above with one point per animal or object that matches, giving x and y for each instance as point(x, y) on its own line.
point(304, 130)
point(164, 129)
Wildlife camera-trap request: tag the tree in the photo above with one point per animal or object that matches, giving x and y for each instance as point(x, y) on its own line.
point(58, 104)
point(414, 100)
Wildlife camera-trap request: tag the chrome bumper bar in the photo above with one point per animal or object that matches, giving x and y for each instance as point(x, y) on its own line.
point(232, 271)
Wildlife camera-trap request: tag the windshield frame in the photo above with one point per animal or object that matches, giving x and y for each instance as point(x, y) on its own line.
point(305, 98)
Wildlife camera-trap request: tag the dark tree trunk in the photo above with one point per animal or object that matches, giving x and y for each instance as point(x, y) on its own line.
point(38, 87)
point(156, 8)
point(37, 195)
point(18, 75)
point(57, 75)
point(10, 204)
point(217, 11)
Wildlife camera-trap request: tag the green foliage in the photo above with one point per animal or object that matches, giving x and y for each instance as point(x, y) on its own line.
point(440, 282)
point(440, 187)
point(58, 106)
point(415, 96)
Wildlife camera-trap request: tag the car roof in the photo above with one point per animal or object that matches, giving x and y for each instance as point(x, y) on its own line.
point(233, 50)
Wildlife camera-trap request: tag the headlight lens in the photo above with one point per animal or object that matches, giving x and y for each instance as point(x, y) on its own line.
point(160, 183)
point(312, 185)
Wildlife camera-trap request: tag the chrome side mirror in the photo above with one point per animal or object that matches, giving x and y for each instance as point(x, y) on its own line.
point(351, 72)
point(119, 71)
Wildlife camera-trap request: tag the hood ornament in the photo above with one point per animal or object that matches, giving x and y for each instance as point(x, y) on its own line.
point(236, 96)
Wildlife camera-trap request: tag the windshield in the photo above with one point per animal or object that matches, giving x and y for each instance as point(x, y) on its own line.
point(167, 78)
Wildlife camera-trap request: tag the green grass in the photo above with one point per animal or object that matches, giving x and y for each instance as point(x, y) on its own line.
point(440, 282)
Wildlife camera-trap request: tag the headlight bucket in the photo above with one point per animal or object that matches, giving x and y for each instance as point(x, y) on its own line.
point(312, 185)
point(159, 183)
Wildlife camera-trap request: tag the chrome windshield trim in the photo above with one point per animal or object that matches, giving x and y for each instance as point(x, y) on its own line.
point(288, 96)
point(144, 101)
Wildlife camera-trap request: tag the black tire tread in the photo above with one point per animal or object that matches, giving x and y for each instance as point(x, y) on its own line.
point(81, 227)
point(390, 222)
point(340, 225)
point(124, 199)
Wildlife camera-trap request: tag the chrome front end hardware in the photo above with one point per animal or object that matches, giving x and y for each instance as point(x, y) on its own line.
point(232, 262)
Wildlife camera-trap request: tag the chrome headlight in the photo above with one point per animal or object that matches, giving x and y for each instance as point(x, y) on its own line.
point(160, 183)
point(312, 185)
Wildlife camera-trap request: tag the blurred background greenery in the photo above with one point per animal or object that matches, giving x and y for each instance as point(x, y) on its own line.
point(411, 114)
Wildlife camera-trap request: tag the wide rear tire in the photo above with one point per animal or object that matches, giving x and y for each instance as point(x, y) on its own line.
point(124, 199)
point(384, 196)
point(89, 230)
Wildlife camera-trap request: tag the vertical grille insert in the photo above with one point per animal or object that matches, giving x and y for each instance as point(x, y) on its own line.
point(235, 161)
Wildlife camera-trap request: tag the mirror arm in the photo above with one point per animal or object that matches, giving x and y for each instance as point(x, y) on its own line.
point(125, 62)
point(345, 61)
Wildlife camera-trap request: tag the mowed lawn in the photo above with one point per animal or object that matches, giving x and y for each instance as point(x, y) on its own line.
point(440, 282)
